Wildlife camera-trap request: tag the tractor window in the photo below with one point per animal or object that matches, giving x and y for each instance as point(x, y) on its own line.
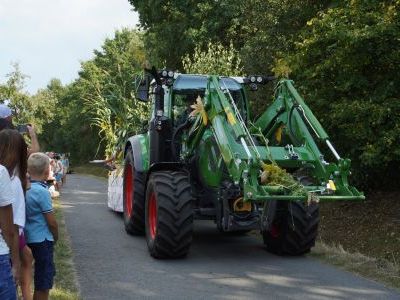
point(188, 87)
point(181, 105)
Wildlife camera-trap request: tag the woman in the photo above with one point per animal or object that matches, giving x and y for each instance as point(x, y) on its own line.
point(13, 155)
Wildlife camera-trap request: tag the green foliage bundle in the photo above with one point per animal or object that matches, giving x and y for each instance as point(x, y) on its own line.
point(217, 59)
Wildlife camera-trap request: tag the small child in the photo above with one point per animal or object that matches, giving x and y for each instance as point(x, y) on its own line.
point(41, 227)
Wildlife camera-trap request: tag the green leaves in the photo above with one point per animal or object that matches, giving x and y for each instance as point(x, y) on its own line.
point(216, 59)
point(348, 64)
point(106, 84)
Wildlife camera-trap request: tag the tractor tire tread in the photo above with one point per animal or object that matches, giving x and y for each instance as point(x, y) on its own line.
point(175, 214)
point(135, 224)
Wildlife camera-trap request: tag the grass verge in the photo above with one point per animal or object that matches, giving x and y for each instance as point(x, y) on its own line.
point(378, 269)
point(65, 285)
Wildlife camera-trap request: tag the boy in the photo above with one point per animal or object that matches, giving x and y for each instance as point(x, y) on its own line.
point(41, 227)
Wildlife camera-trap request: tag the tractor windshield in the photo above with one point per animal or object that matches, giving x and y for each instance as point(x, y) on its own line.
point(188, 87)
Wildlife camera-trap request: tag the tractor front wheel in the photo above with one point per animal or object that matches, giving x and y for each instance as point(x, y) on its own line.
point(293, 229)
point(169, 214)
point(133, 197)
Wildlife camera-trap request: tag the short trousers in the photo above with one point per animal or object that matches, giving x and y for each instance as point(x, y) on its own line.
point(7, 285)
point(22, 242)
point(59, 176)
point(44, 264)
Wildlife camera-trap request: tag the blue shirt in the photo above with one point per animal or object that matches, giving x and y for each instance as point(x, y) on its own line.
point(38, 203)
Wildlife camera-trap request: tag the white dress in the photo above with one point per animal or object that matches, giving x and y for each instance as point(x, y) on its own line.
point(6, 198)
point(19, 203)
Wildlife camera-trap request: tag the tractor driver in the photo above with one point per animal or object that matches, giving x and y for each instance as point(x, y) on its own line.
point(182, 107)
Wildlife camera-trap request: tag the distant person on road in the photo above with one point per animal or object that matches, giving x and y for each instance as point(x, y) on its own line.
point(41, 227)
point(65, 163)
point(59, 172)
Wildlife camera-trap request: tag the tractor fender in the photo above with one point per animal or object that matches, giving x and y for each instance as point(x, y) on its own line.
point(166, 166)
point(137, 144)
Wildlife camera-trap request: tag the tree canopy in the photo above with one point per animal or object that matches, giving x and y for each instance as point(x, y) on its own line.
point(343, 56)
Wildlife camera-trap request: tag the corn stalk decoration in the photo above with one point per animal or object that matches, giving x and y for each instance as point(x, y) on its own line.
point(107, 85)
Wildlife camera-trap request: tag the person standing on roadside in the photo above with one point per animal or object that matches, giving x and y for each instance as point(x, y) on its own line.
point(16, 160)
point(6, 118)
point(8, 237)
point(41, 227)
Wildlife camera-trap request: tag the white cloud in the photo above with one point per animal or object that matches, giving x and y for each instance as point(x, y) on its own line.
point(50, 37)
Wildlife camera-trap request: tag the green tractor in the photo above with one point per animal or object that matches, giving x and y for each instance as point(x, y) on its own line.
point(201, 157)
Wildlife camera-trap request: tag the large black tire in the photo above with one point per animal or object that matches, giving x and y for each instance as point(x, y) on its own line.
point(294, 228)
point(169, 214)
point(133, 197)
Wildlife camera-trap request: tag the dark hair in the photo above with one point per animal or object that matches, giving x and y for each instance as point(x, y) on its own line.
point(5, 124)
point(13, 154)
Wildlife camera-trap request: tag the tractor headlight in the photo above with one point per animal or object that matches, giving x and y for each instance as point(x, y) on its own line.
point(259, 79)
point(164, 73)
point(171, 74)
point(252, 79)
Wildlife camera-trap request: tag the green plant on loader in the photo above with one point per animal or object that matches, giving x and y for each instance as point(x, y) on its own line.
point(202, 158)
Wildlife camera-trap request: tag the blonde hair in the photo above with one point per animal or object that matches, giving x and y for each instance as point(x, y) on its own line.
point(38, 164)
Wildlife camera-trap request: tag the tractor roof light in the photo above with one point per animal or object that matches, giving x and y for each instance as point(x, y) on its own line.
point(258, 79)
point(167, 74)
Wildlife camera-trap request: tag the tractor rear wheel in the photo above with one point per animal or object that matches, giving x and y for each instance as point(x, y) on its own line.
point(169, 214)
point(294, 228)
point(133, 197)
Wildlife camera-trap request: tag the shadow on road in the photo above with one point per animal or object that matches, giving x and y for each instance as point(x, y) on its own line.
point(114, 265)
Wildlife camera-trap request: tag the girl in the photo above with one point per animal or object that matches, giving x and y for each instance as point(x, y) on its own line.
point(13, 155)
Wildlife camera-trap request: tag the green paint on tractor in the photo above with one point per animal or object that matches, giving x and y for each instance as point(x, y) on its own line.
point(202, 158)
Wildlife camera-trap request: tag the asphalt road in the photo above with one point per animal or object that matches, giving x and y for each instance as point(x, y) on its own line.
point(113, 265)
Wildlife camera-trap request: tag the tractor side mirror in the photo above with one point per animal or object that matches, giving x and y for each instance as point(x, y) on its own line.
point(142, 84)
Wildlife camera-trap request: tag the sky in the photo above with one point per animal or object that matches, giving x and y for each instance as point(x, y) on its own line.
point(49, 38)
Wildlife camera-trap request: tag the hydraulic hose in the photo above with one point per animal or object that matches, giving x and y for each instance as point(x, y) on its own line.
point(297, 142)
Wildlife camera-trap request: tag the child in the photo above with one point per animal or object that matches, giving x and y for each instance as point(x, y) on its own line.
point(41, 227)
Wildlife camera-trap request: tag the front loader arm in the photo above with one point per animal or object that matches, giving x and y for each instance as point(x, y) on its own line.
point(229, 134)
point(289, 113)
point(244, 159)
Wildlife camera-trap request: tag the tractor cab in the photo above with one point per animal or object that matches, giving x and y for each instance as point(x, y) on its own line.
point(187, 88)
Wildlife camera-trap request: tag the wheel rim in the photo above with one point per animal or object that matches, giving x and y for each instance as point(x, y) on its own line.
point(128, 190)
point(274, 231)
point(152, 215)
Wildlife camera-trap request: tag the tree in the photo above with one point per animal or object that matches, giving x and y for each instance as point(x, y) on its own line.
point(215, 60)
point(347, 64)
point(37, 109)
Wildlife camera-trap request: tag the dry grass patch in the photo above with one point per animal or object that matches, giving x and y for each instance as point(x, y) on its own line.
point(65, 286)
point(378, 269)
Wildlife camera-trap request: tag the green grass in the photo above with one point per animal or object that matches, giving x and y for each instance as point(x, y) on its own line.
point(91, 169)
point(65, 286)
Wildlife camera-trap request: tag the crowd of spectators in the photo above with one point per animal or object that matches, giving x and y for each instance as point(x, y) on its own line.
point(29, 179)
